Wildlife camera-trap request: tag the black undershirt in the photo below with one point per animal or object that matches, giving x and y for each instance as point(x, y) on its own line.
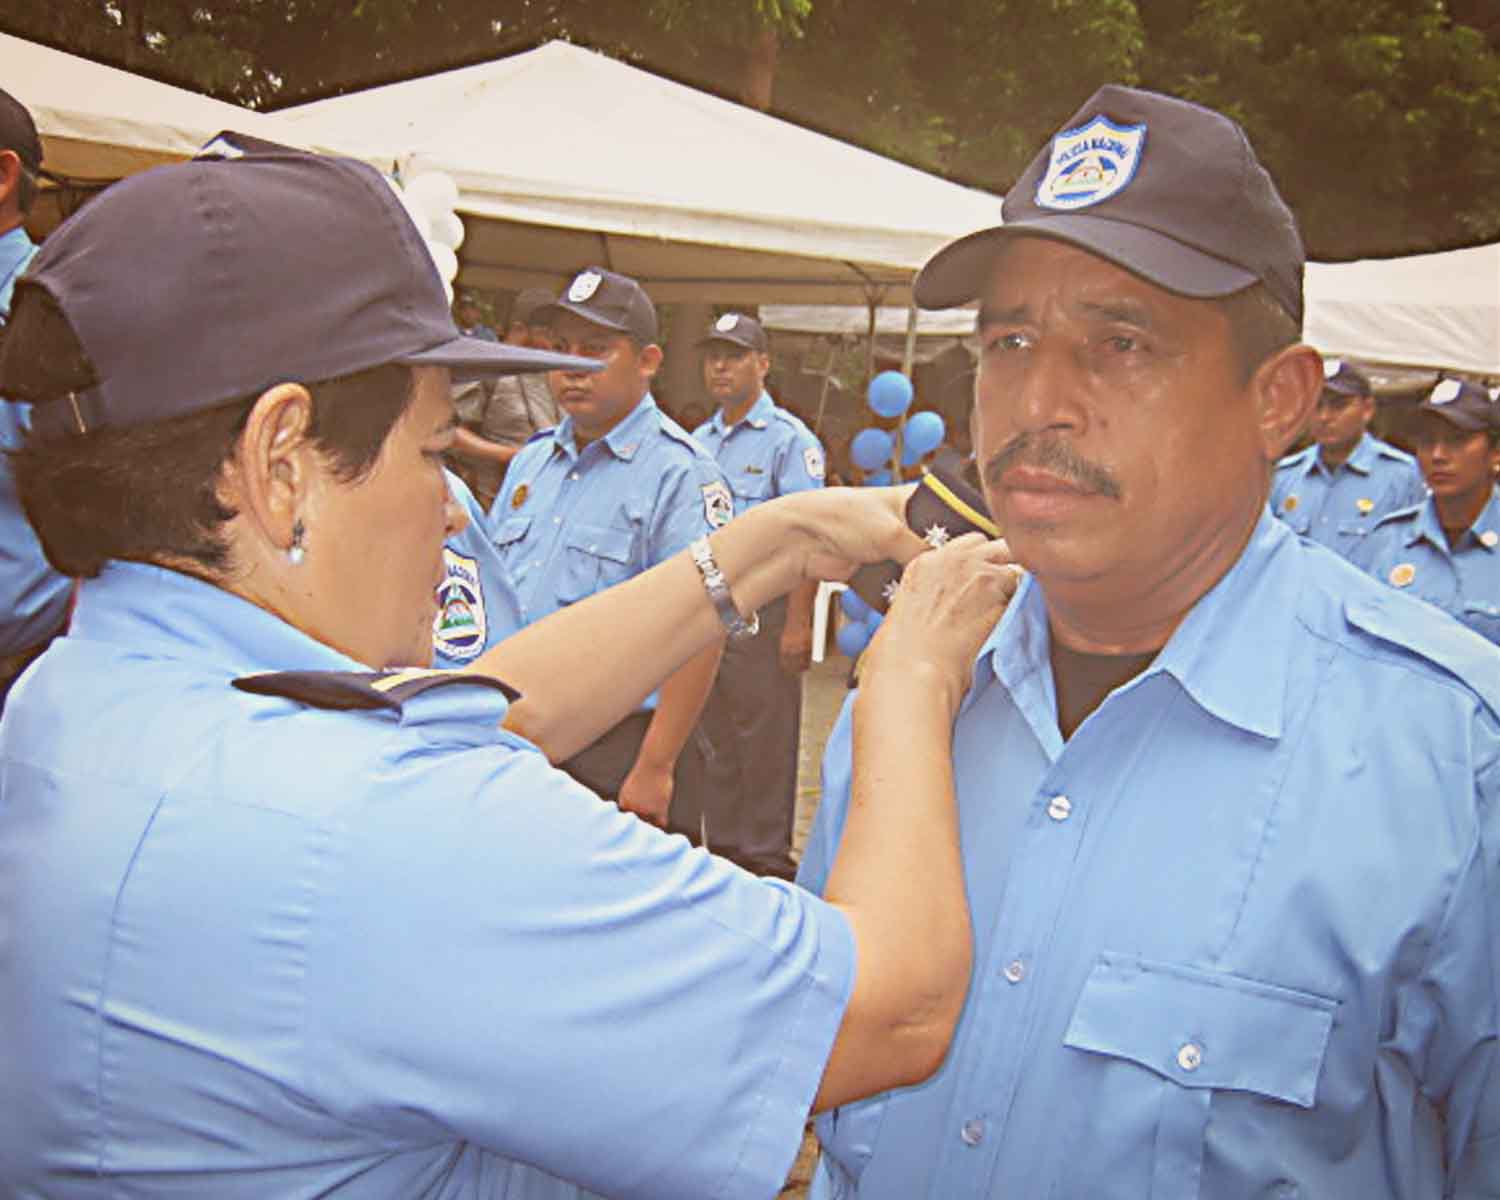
point(1083, 680)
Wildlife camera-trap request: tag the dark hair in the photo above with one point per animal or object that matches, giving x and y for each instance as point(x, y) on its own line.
point(25, 190)
point(149, 493)
point(1258, 327)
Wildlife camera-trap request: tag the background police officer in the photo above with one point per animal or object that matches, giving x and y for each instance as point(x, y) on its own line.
point(615, 488)
point(1335, 490)
point(753, 716)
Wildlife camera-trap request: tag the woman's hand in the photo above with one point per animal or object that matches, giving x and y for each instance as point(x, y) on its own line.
point(948, 602)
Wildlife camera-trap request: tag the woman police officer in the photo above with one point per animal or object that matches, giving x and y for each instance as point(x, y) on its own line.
point(278, 919)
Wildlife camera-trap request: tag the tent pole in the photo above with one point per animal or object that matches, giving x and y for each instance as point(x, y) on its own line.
point(909, 357)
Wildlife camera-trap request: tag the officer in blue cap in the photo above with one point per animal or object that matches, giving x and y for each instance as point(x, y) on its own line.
point(1447, 548)
point(753, 717)
point(616, 487)
point(1229, 808)
point(1336, 489)
point(33, 597)
point(285, 912)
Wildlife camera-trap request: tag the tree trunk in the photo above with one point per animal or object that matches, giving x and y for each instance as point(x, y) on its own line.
point(133, 20)
point(760, 70)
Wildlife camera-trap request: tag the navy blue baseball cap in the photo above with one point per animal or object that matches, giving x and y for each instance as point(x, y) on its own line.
point(1461, 403)
point(198, 283)
point(1345, 378)
point(1166, 189)
point(605, 298)
point(737, 330)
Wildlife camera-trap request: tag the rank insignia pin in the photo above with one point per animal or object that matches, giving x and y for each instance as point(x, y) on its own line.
point(1365, 505)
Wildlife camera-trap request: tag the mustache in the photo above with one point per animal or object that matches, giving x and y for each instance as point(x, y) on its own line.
point(1054, 455)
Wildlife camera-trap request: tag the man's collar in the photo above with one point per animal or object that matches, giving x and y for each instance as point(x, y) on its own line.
point(1484, 533)
point(1230, 653)
point(757, 416)
point(1361, 459)
point(623, 440)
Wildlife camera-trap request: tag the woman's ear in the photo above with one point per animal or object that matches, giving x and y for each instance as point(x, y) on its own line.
point(273, 467)
point(1286, 387)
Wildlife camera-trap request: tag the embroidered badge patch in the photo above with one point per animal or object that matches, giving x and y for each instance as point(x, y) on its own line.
point(518, 497)
point(812, 459)
point(584, 286)
point(726, 323)
point(458, 631)
point(718, 504)
point(1332, 366)
point(1365, 505)
point(1446, 392)
point(1402, 574)
point(1090, 164)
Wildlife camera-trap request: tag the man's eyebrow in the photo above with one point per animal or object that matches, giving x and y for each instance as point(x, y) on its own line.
point(1013, 315)
point(1127, 312)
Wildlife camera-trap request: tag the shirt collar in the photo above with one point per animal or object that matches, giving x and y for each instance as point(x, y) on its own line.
point(1361, 459)
point(757, 416)
point(623, 440)
point(172, 615)
point(1428, 527)
point(1230, 653)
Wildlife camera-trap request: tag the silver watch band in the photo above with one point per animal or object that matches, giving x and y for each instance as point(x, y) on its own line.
point(718, 591)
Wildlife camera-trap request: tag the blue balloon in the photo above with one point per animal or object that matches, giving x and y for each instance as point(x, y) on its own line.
point(854, 607)
point(890, 394)
point(871, 449)
point(852, 637)
point(923, 434)
point(878, 479)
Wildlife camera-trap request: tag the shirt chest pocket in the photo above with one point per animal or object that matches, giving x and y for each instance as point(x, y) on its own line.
point(594, 557)
point(751, 486)
point(510, 534)
point(1171, 1036)
point(1296, 516)
point(1483, 617)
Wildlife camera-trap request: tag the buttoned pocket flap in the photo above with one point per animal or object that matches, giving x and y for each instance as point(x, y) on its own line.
point(1204, 1029)
point(512, 529)
point(600, 541)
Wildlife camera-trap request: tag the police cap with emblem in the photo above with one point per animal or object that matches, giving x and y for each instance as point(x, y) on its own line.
point(736, 329)
point(604, 298)
point(1461, 403)
point(1166, 189)
point(195, 284)
point(1345, 378)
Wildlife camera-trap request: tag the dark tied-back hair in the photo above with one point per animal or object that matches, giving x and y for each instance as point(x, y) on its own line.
point(150, 493)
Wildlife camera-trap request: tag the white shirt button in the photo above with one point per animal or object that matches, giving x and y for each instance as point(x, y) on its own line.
point(1190, 1057)
point(972, 1132)
point(574, 475)
point(1059, 808)
point(1015, 970)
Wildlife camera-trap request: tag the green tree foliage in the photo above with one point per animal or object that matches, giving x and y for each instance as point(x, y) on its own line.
point(1379, 118)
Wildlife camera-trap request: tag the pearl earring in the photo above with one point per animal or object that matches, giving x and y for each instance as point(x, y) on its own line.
point(296, 552)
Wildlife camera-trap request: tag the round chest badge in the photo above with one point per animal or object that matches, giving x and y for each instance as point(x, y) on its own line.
point(1489, 538)
point(1289, 504)
point(1365, 506)
point(1402, 574)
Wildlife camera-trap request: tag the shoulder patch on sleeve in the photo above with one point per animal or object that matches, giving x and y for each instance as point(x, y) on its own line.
point(718, 504)
point(363, 689)
point(1293, 460)
point(1393, 617)
point(812, 459)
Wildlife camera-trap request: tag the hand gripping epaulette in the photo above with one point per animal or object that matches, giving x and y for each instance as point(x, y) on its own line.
point(363, 689)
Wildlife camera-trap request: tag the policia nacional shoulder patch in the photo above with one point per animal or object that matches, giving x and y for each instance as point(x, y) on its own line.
point(363, 689)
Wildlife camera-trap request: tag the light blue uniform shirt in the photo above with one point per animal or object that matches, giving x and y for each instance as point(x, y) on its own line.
point(477, 607)
point(1409, 551)
point(768, 453)
point(1338, 508)
point(255, 948)
point(1238, 936)
point(569, 522)
point(33, 597)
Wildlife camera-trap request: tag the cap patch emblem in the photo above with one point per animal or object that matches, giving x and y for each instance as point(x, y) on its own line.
point(718, 504)
point(1289, 504)
point(458, 631)
point(1365, 505)
point(727, 322)
point(812, 459)
point(1090, 164)
point(584, 286)
point(1446, 392)
point(1331, 367)
point(1489, 538)
point(1402, 574)
point(518, 497)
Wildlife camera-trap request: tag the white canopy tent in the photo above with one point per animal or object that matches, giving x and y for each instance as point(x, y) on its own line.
point(570, 158)
point(1438, 311)
point(99, 123)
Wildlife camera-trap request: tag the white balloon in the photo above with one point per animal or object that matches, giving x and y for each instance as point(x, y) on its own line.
point(448, 229)
point(418, 216)
point(448, 291)
point(434, 192)
point(445, 260)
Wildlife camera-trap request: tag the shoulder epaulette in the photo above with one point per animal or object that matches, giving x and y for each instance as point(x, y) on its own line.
point(1291, 460)
point(364, 689)
point(1444, 642)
